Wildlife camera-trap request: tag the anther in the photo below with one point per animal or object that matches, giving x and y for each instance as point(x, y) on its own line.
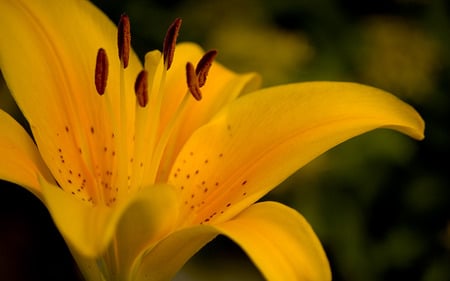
point(170, 40)
point(101, 71)
point(204, 65)
point(124, 39)
point(141, 88)
point(192, 82)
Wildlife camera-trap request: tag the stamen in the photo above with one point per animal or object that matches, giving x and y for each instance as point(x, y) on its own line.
point(101, 71)
point(170, 41)
point(141, 88)
point(124, 39)
point(192, 82)
point(204, 65)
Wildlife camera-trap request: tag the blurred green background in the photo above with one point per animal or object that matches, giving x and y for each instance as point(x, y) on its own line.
point(379, 203)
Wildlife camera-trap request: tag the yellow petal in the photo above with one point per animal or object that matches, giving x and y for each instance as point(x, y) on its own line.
point(21, 162)
point(263, 137)
point(170, 254)
point(279, 241)
point(125, 232)
point(86, 229)
point(149, 218)
point(47, 56)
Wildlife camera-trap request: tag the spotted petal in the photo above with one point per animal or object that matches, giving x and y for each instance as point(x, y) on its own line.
point(89, 230)
point(222, 87)
point(263, 137)
point(47, 56)
point(86, 229)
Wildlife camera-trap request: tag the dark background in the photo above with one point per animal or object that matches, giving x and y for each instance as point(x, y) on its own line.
point(379, 202)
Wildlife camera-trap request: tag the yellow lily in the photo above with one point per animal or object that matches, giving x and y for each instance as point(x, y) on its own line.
point(137, 173)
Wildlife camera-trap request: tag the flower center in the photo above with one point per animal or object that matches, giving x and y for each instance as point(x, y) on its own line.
point(138, 151)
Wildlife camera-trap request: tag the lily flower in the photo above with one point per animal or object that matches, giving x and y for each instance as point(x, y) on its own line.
point(141, 165)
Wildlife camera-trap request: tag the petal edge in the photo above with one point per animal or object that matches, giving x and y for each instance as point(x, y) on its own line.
point(280, 242)
point(21, 162)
